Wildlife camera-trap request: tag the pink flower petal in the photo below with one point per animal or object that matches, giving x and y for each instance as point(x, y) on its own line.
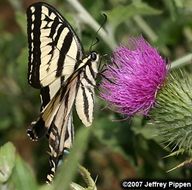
point(134, 77)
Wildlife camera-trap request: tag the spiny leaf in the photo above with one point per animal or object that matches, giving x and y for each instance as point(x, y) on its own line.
point(185, 163)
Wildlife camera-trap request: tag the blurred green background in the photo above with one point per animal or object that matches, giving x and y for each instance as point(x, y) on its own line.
point(116, 149)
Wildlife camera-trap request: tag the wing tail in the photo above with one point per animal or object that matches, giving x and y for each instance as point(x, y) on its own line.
point(37, 129)
point(60, 139)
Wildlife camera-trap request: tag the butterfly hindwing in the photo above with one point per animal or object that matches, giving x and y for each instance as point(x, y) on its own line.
point(60, 139)
point(54, 47)
point(84, 101)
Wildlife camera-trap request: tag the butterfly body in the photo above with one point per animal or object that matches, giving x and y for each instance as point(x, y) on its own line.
point(64, 75)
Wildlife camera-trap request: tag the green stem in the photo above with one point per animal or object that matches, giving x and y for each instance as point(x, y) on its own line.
point(172, 9)
point(16, 4)
point(178, 3)
point(152, 36)
point(182, 61)
point(145, 27)
point(89, 20)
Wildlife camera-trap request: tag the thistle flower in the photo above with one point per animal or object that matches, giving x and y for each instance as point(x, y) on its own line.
point(135, 83)
point(132, 81)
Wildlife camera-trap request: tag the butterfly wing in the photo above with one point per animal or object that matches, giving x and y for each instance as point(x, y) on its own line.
point(57, 68)
point(60, 139)
point(48, 92)
point(56, 119)
point(84, 101)
point(63, 98)
point(80, 89)
point(54, 50)
point(54, 47)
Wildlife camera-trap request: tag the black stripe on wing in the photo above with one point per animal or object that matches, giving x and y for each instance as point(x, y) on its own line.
point(65, 48)
point(48, 92)
point(45, 96)
point(85, 102)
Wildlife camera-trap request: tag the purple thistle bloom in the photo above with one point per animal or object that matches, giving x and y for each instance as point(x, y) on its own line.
point(132, 81)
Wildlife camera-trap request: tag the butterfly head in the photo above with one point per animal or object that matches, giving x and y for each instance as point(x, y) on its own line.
point(94, 56)
point(93, 61)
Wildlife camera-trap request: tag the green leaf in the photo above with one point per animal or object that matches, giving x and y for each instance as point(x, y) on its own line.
point(4, 122)
point(148, 132)
point(69, 168)
point(7, 161)
point(75, 186)
point(122, 13)
point(23, 177)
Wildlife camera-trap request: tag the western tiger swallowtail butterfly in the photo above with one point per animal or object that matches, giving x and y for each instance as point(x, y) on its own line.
point(65, 76)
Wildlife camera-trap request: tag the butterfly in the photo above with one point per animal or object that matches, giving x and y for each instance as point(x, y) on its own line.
point(66, 77)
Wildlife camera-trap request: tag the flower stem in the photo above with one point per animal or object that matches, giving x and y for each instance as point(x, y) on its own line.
point(89, 20)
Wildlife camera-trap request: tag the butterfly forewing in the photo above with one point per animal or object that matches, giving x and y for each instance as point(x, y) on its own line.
point(48, 92)
point(53, 46)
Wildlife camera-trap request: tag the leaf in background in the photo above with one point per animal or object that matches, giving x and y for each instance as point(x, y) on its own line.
point(23, 177)
point(122, 13)
point(112, 135)
point(68, 169)
point(5, 122)
point(148, 132)
point(22, 64)
point(7, 161)
point(21, 20)
point(46, 187)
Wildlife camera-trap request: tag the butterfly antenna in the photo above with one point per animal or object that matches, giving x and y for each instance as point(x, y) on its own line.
point(94, 43)
point(101, 26)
